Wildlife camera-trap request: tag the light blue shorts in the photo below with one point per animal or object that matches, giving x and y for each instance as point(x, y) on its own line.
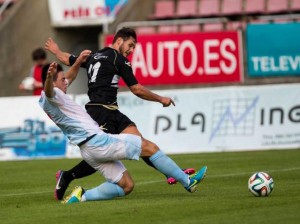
point(103, 153)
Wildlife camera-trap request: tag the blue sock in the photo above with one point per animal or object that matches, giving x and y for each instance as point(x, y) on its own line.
point(168, 167)
point(104, 191)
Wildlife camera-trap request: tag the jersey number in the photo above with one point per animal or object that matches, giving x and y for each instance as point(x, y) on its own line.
point(93, 72)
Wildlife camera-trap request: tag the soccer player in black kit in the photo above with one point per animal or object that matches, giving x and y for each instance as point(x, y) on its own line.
point(104, 69)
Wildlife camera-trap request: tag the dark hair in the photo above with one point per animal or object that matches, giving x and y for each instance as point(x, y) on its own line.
point(45, 71)
point(38, 54)
point(125, 33)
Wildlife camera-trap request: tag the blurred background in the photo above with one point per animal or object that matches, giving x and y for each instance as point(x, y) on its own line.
point(77, 25)
point(246, 51)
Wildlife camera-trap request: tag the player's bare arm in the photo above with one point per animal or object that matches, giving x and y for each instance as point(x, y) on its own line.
point(53, 48)
point(71, 74)
point(146, 94)
point(49, 80)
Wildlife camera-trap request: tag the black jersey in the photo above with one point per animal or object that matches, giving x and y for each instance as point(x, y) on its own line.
point(104, 69)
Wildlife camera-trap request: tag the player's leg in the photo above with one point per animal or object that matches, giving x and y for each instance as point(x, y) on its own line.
point(132, 129)
point(167, 166)
point(128, 146)
point(118, 123)
point(110, 190)
point(64, 178)
point(119, 183)
point(82, 169)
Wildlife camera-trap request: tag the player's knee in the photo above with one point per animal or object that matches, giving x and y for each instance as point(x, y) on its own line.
point(148, 148)
point(126, 183)
point(128, 187)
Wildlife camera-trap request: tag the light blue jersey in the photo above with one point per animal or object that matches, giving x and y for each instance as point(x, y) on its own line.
point(103, 151)
point(70, 117)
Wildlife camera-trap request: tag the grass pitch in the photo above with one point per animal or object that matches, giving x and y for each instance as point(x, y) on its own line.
point(26, 192)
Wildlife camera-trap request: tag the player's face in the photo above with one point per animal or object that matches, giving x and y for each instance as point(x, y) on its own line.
point(61, 82)
point(127, 47)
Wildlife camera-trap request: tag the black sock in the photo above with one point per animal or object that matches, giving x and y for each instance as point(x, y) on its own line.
point(82, 169)
point(147, 160)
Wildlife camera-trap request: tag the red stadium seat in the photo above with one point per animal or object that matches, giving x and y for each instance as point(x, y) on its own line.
point(277, 6)
point(295, 5)
point(164, 9)
point(145, 30)
point(255, 7)
point(168, 29)
point(190, 28)
point(232, 7)
point(236, 25)
point(209, 8)
point(213, 27)
point(186, 8)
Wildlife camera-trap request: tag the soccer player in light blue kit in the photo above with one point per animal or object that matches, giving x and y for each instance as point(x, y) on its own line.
point(101, 150)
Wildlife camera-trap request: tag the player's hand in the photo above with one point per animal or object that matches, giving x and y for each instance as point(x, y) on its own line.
point(166, 101)
point(52, 69)
point(84, 55)
point(51, 46)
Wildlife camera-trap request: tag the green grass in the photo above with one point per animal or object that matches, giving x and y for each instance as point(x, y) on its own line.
point(26, 192)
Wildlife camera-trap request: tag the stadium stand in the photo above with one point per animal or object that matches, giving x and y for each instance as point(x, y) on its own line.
point(209, 8)
point(168, 29)
point(295, 5)
point(164, 9)
point(281, 20)
point(186, 8)
point(232, 7)
point(277, 6)
point(190, 28)
point(232, 14)
point(171, 16)
point(235, 25)
point(254, 7)
point(258, 21)
point(208, 27)
point(145, 30)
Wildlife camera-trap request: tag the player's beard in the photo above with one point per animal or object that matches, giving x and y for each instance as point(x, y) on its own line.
point(122, 51)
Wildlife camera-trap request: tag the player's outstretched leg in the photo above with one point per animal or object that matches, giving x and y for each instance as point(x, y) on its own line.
point(167, 166)
point(170, 180)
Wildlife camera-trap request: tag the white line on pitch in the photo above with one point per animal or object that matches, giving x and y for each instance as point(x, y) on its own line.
point(158, 181)
point(227, 175)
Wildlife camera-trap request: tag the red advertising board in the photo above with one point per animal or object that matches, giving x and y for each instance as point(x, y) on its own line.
point(198, 58)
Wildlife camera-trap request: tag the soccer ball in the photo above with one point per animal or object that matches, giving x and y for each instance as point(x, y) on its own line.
point(260, 184)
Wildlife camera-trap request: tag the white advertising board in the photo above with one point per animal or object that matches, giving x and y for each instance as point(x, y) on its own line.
point(26, 132)
point(220, 119)
point(204, 120)
point(66, 13)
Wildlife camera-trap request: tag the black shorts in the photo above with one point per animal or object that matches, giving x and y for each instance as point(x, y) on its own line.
point(113, 121)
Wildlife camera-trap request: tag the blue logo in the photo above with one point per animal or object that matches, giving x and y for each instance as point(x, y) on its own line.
point(233, 117)
point(34, 139)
